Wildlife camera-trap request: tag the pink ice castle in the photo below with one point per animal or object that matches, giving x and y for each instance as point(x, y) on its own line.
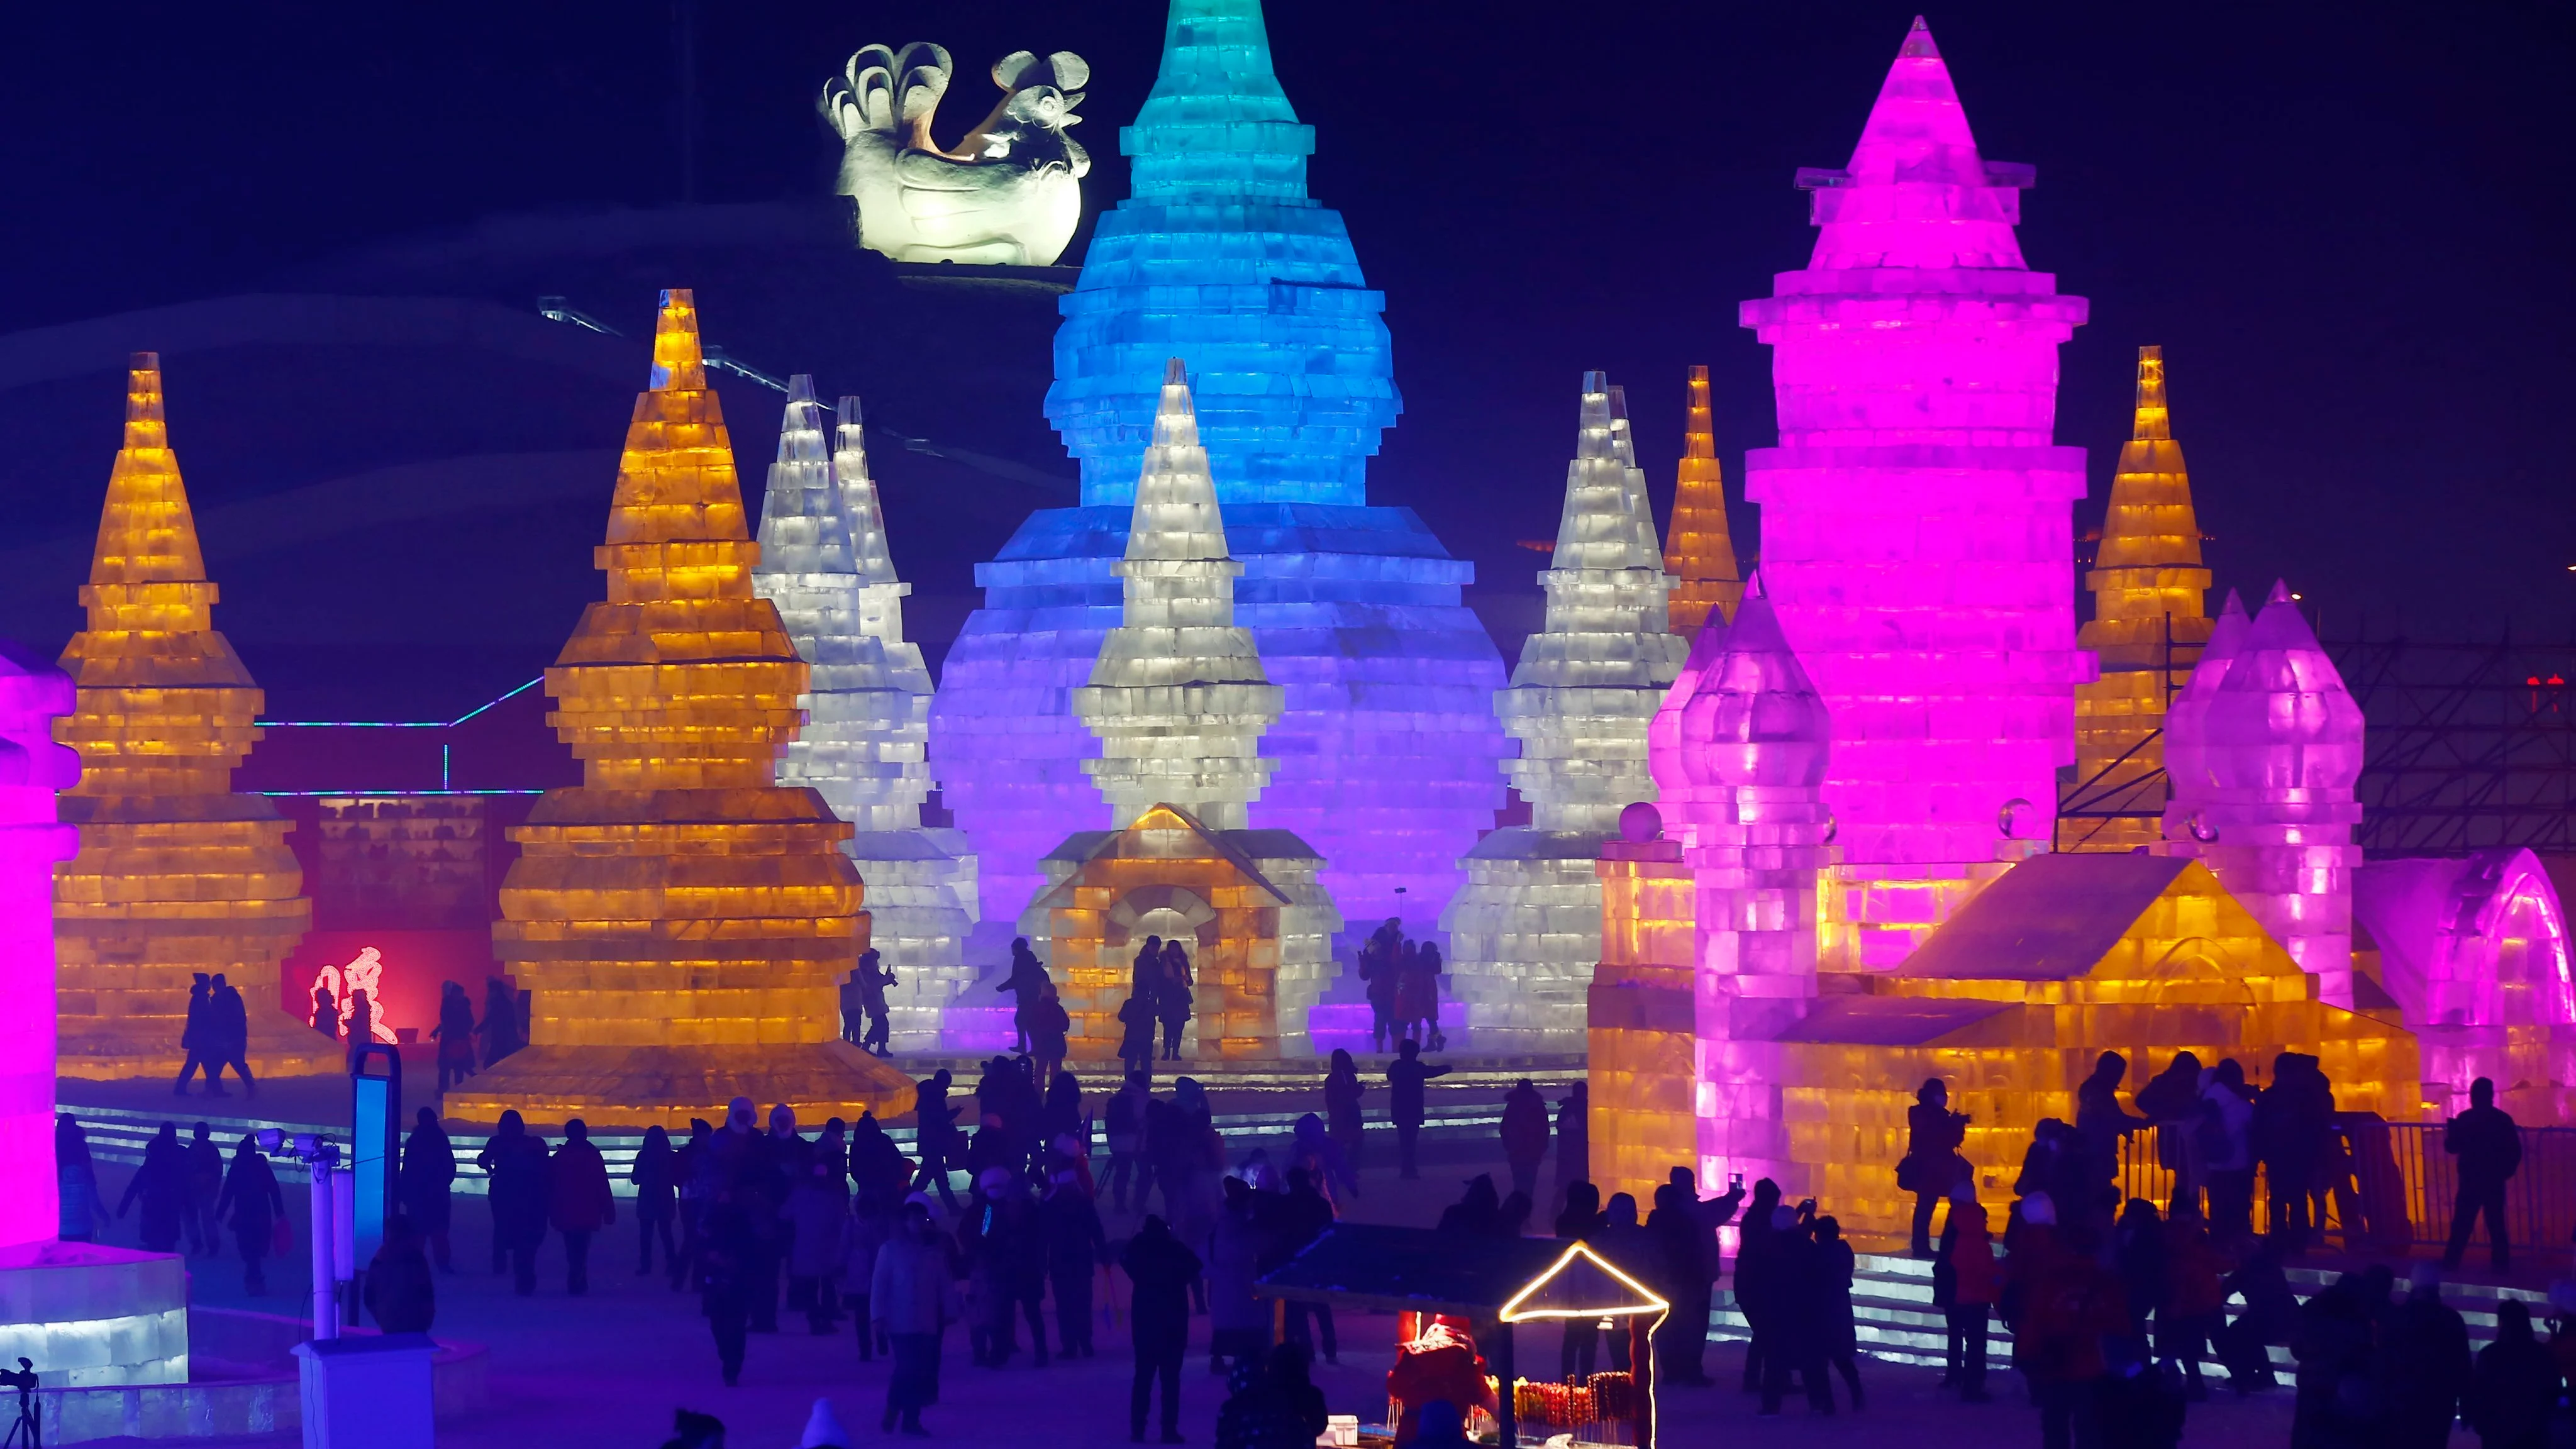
point(1917, 516)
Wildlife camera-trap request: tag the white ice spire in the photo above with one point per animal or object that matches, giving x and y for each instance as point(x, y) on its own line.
point(1178, 696)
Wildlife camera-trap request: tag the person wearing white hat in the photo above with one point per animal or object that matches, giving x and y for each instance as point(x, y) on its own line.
point(823, 1429)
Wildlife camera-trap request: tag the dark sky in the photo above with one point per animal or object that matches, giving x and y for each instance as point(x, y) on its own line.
point(2347, 225)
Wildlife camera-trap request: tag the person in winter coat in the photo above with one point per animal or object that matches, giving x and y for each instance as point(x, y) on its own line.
point(2424, 1365)
point(1316, 1149)
point(2138, 1255)
point(1159, 1271)
point(871, 980)
point(2070, 1306)
point(1173, 1003)
point(1685, 1257)
point(401, 1294)
point(1798, 1330)
point(162, 1183)
point(2100, 1125)
point(515, 1160)
point(873, 1221)
point(1931, 1164)
point(1125, 1126)
point(1524, 1133)
point(455, 1033)
point(205, 1183)
point(192, 1041)
point(1407, 1102)
point(1580, 1221)
point(2489, 1149)
point(2271, 1317)
point(1343, 1092)
point(2290, 1126)
point(656, 1175)
point(1238, 1323)
point(2222, 1139)
point(228, 1035)
point(251, 1205)
point(1049, 1025)
point(1573, 1141)
point(2338, 1405)
point(1756, 1282)
point(911, 1297)
point(2171, 1099)
point(500, 1028)
point(1075, 1246)
point(578, 1201)
point(1026, 982)
point(83, 1210)
point(1966, 1283)
point(1006, 1250)
point(426, 1183)
point(2192, 1312)
point(1838, 1331)
point(1381, 967)
point(817, 1214)
point(721, 1259)
point(2515, 1392)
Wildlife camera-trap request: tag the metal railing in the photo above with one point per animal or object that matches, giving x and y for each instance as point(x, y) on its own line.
point(2388, 1187)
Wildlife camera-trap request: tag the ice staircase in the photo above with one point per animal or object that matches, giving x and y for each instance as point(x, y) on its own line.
point(1892, 1300)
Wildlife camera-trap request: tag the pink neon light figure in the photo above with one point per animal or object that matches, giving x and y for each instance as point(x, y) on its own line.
point(32, 769)
point(1917, 516)
point(2269, 744)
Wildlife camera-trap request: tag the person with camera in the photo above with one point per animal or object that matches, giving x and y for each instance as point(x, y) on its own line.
point(1932, 1164)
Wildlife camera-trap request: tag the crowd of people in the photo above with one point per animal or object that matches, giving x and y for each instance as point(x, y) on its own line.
point(1402, 977)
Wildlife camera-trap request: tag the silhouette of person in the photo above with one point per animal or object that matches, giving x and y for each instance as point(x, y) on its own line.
point(192, 1037)
point(1406, 1100)
point(2489, 1147)
point(229, 1017)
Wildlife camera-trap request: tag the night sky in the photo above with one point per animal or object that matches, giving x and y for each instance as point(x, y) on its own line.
point(2347, 226)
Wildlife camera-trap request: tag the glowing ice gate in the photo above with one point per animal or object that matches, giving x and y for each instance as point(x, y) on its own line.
point(824, 563)
point(1916, 516)
point(1525, 931)
point(1385, 747)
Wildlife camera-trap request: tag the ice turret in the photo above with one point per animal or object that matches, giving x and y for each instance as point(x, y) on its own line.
point(825, 564)
point(1178, 697)
point(177, 876)
point(2275, 747)
point(2149, 623)
point(1698, 551)
point(1917, 516)
point(1525, 930)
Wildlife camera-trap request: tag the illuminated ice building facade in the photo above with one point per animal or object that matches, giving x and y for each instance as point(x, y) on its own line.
point(824, 563)
point(1383, 756)
point(1525, 930)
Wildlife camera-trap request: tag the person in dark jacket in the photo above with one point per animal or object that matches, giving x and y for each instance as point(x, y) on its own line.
point(192, 1041)
point(1407, 1103)
point(2515, 1392)
point(871, 980)
point(1580, 1222)
point(1075, 1245)
point(1932, 1163)
point(425, 1183)
point(1524, 1132)
point(1830, 1267)
point(2171, 1099)
point(1755, 1280)
point(1025, 982)
point(228, 1031)
point(515, 1160)
point(1683, 1250)
point(579, 1202)
point(251, 1204)
point(1159, 1271)
point(656, 1175)
point(2290, 1126)
point(205, 1184)
point(162, 1183)
point(2424, 1365)
point(1049, 1024)
point(2489, 1147)
point(2338, 1404)
point(2138, 1253)
point(722, 1258)
point(1789, 1253)
point(500, 1028)
point(455, 1033)
point(935, 1135)
point(2271, 1316)
point(1173, 1003)
point(400, 1293)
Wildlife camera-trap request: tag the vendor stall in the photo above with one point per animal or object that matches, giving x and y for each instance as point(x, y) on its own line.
point(1457, 1297)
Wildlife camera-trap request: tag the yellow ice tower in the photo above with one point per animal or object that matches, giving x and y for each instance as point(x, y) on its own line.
point(176, 875)
point(1698, 551)
point(2148, 626)
point(683, 922)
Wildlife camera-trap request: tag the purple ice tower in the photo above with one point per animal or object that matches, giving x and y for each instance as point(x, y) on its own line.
point(1917, 517)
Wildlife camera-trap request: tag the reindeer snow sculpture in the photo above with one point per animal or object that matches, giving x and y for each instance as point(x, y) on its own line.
point(1009, 193)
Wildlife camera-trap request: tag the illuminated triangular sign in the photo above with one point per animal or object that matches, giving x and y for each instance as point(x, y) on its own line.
point(1583, 1284)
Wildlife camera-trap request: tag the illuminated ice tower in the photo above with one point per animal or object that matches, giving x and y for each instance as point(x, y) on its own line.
point(1916, 517)
point(177, 876)
point(1525, 931)
point(1385, 748)
point(824, 563)
point(2149, 623)
point(1742, 759)
point(1699, 551)
point(681, 918)
point(2266, 747)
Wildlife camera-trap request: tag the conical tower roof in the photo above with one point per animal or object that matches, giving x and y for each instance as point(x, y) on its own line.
point(1916, 193)
point(1699, 552)
point(2147, 578)
point(682, 677)
point(166, 706)
point(1604, 522)
point(1664, 735)
point(1756, 719)
point(2186, 717)
point(2283, 698)
point(859, 498)
point(1217, 125)
point(804, 520)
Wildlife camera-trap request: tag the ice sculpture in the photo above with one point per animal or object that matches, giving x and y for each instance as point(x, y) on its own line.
point(2270, 747)
point(2475, 953)
point(682, 920)
point(1916, 517)
point(824, 563)
point(1385, 747)
point(1743, 787)
point(1179, 700)
point(177, 876)
point(1525, 930)
point(2149, 623)
point(1009, 193)
point(1699, 552)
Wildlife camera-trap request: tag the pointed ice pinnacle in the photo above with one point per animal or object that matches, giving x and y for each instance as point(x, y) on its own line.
point(1177, 695)
point(1698, 550)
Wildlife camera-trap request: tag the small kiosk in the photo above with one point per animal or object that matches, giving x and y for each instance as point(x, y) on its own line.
point(1457, 1298)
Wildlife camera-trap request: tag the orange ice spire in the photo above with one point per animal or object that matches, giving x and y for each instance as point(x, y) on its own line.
point(177, 876)
point(1698, 551)
point(683, 921)
point(2150, 619)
